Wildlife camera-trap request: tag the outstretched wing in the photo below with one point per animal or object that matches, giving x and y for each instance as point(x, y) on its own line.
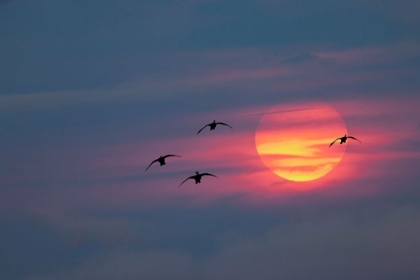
point(191, 177)
point(354, 138)
point(202, 128)
point(208, 174)
point(334, 141)
point(224, 124)
point(150, 164)
point(171, 156)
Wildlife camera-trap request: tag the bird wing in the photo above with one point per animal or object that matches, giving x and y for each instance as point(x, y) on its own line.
point(171, 156)
point(208, 174)
point(191, 177)
point(354, 138)
point(224, 124)
point(151, 164)
point(202, 128)
point(334, 141)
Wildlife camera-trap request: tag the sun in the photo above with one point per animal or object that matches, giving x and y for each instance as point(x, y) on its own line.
point(292, 140)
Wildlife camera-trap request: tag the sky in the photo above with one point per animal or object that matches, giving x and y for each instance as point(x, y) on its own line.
point(92, 91)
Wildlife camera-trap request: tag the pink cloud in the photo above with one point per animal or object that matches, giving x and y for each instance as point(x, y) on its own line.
point(382, 126)
point(113, 175)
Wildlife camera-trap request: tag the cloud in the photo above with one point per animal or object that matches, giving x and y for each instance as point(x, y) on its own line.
point(346, 244)
point(130, 266)
point(91, 92)
point(323, 249)
point(4, 2)
point(235, 76)
point(301, 57)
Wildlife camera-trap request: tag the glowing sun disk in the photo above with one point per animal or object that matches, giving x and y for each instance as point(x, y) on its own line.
point(296, 151)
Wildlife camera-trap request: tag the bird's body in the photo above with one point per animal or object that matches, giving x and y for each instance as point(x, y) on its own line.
point(213, 125)
point(344, 139)
point(197, 177)
point(161, 160)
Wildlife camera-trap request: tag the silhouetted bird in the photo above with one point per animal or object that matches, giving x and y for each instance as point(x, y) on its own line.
point(197, 177)
point(213, 125)
point(161, 160)
point(344, 139)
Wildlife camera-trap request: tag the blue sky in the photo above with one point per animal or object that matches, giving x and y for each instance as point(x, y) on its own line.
point(92, 91)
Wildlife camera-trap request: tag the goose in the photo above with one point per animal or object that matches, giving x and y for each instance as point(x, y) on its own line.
point(197, 177)
point(213, 125)
point(161, 160)
point(344, 139)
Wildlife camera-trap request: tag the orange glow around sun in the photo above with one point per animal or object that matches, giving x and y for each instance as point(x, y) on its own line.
point(293, 140)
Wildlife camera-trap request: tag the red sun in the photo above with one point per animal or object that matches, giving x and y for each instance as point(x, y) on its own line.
point(293, 140)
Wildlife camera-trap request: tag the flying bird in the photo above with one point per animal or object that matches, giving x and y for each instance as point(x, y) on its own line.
point(344, 139)
point(197, 177)
point(213, 125)
point(161, 160)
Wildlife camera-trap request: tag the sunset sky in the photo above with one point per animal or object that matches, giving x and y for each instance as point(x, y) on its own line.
point(92, 91)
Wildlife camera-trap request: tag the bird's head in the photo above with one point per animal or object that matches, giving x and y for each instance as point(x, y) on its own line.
point(196, 172)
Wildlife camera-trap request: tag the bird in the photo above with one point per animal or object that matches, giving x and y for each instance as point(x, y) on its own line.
point(161, 160)
point(197, 177)
point(213, 125)
point(344, 139)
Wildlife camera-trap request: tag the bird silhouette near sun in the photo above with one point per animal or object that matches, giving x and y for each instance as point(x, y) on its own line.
point(344, 139)
point(197, 177)
point(213, 125)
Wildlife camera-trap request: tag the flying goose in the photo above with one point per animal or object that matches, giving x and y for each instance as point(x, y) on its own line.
point(197, 177)
point(344, 139)
point(213, 125)
point(161, 160)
